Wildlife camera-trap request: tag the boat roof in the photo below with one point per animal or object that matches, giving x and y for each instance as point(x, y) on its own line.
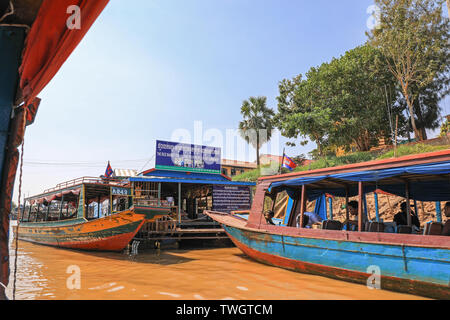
point(96, 186)
point(428, 177)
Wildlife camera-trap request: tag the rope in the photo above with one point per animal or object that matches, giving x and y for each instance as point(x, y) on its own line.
point(18, 211)
point(11, 11)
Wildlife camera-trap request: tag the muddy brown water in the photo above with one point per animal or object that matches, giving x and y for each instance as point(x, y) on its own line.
point(48, 273)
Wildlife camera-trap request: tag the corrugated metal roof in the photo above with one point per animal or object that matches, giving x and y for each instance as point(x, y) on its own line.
point(125, 173)
point(184, 175)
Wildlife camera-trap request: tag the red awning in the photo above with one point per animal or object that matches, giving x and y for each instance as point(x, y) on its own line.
point(55, 196)
point(50, 42)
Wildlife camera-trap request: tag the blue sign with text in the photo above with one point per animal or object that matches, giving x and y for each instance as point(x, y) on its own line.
point(187, 157)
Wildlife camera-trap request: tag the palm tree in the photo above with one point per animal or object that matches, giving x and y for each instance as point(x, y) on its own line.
point(257, 126)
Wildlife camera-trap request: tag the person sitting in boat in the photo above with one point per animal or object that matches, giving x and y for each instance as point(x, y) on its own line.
point(353, 216)
point(268, 215)
point(446, 229)
point(401, 219)
point(309, 219)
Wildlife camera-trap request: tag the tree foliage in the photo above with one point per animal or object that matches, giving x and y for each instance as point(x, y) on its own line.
point(257, 124)
point(414, 37)
point(340, 103)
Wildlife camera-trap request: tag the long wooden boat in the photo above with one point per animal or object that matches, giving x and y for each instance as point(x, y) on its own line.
point(85, 228)
point(411, 263)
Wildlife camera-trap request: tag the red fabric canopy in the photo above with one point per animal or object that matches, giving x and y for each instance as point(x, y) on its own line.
point(50, 42)
point(48, 45)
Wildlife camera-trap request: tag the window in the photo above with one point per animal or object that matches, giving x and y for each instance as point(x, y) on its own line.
point(224, 171)
point(233, 172)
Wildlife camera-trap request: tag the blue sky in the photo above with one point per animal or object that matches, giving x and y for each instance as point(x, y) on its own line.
point(148, 68)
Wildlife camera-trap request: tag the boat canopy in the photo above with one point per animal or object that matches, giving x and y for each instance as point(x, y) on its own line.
point(427, 182)
point(94, 188)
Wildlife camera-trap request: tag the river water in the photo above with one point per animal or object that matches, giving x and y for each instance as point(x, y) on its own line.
point(46, 273)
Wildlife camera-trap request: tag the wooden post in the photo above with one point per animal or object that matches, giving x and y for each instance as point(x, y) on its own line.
point(48, 210)
point(98, 207)
point(61, 208)
point(360, 206)
point(179, 202)
point(159, 194)
point(347, 214)
point(408, 206)
point(302, 205)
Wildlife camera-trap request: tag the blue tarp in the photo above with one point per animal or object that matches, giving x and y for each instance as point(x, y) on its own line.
point(421, 188)
point(321, 207)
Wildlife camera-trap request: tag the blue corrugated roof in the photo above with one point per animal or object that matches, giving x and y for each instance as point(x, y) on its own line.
point(191, 181)
point(184, 175)
point(424, 185)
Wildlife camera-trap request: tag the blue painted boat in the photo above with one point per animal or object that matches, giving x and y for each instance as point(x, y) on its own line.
point(406, 262)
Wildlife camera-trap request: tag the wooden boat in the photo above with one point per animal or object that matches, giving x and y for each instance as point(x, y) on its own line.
point(84, 227)
point(405, 262)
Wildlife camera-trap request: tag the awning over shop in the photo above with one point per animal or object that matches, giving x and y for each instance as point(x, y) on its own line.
point(155, 173)
point(191, 181)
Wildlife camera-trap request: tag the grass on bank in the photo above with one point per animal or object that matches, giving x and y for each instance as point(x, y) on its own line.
point(334, 161)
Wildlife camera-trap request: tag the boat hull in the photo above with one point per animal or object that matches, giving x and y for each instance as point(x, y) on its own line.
point(111, 233)
point(410, 269)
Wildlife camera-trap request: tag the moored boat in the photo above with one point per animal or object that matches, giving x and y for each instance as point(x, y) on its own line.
point(87, 213)
point(398, 259)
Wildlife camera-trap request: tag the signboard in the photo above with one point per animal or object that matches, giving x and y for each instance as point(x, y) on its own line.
point(231, 198)
point(117, 191)
point(187, 157)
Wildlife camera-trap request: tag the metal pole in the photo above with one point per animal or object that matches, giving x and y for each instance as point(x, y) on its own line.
point(438, 212)
point(377, 212)
point(330, 204)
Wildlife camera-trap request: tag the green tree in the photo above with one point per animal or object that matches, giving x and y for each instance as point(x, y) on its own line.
point(257, 124)
point(340, 103)
point(414, 37)
point(445, 129)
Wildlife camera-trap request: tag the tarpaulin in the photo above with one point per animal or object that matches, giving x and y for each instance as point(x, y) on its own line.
point(50, 41)
point(424, 187)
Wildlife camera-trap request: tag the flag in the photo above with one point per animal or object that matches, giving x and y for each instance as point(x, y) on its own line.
point(109, 171)
point(288, 163)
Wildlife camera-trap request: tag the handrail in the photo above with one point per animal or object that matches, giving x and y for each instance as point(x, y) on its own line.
point(82, 180)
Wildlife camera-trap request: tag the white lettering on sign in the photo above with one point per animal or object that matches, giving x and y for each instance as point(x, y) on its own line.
point(119, 192)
